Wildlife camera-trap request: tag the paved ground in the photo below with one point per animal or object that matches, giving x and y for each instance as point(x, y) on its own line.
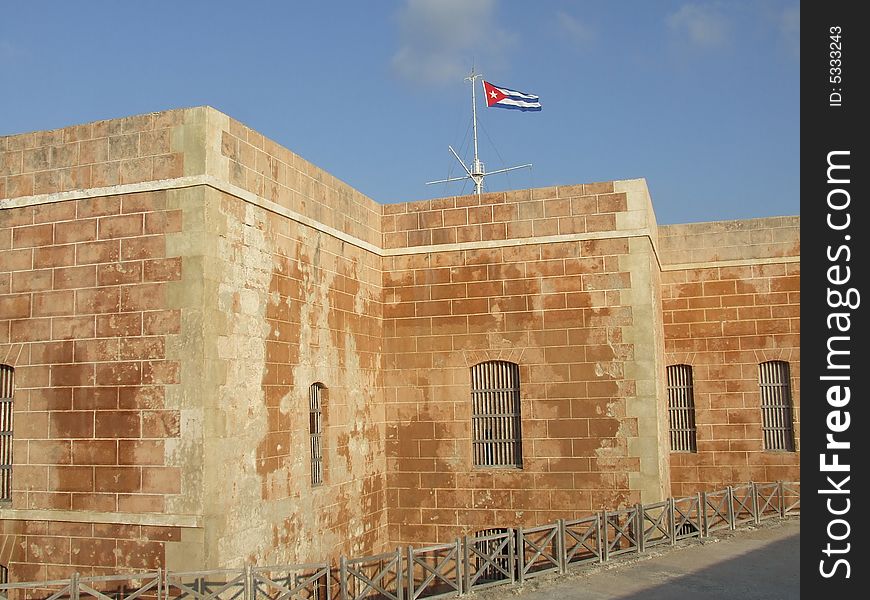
point(749, 564)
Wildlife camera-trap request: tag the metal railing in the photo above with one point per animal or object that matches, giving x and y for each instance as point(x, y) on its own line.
point(493, 557)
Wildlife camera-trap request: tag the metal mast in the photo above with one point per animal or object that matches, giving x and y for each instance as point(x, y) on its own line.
point(477, 172)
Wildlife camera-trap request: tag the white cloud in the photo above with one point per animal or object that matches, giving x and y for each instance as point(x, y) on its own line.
point(703, 26)
point(576, 30)
point(438, 39)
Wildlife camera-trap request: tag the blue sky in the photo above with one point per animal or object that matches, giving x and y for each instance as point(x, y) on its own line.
point(701, 98)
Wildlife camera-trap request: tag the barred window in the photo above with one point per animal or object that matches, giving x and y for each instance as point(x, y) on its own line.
point(495, 421)
point(776, 417)
point(6, 383)
point(681, 409)
point(315, 429)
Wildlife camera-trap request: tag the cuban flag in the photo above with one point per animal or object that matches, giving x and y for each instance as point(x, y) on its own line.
point(503, 97)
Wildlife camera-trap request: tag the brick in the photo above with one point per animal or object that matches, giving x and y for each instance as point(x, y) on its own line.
point(81, 230)
point(163, 222)
point(64, 328)
point(167, 269)
point(48, 452)
point(117, 424)
point(54, 211)
point(161, 322)
point(136, 170)
point(140, 503)
point(94, 452)
point(97, 300)
point(93, 151)
point(17, 260)
point(150, 296)
point(33, 235)
point(54, 256)
point(123, 147)
point(120, 226)
point(160, 372)
point(143, 201)
point(72, 375)
point(119, 325)
point(15, 306)
point(117, 479)
point(72, 424)
point(99, 206)
point(96, 350)
point(18, 186)
point(143, 247)
point(95, 398)
point(49, 353)
point(30, 330)
point(118, 273)
point(161, 424)
point(141, 452)
point(161, 480)
point(74, 277)
point(141, 397)
point(50, 304)
point(119, 373)
point(93, 552)
point(98, 252)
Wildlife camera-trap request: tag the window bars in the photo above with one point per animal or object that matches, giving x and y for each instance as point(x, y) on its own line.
point(495, 422)
point(315, 429)
point(6, 382)
point(776, 418)
point(681, 409)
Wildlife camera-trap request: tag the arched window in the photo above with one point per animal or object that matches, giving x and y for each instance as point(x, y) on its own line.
point(6, 388)
point(681, 409)
point(495, 422)
point(315, 430)
point(776, 417)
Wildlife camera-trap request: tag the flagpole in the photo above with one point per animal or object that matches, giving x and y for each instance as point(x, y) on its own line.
point(477, 171)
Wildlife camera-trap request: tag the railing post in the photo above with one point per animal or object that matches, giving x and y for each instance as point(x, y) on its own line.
point(729, 494)
point(74, 586)
point(781, 490)
point(755, 502)
point(639, 526)
point(705, 526)
point(248, 578)
point(410, 564)
point(342, 577)
point(560, 547)
point(672, 520)
point(521, 554)
point(605, 553)
point(466, 566)
point(460, 567)
point(512, 556)
point(399, 584)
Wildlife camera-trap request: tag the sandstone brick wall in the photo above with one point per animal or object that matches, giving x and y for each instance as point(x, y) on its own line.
point(559, 309)
point(582, 208)
point(172, 284)
point(50, 550)
point(723, 319)
point(295, 307)
point(85, 324)
point(151, 317)
point(106, 153)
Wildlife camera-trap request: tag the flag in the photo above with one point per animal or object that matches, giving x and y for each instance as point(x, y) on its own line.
point(504, 98)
